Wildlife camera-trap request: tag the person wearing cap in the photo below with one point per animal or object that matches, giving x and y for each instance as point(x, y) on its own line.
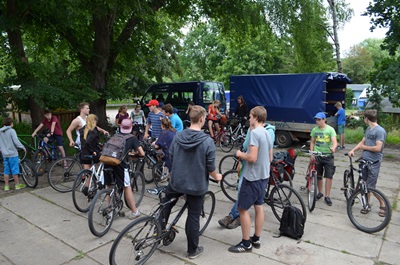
point(131, 144)
point(323, 139)
point(176, 122)
point(153, 120)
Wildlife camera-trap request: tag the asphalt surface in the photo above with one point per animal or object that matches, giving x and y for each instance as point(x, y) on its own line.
point(41, 226)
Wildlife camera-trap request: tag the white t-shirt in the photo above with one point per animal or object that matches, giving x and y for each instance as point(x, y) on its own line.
point(78, 134)
point(137, 117)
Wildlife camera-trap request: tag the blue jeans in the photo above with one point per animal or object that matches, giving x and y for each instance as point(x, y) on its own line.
point(235, 211)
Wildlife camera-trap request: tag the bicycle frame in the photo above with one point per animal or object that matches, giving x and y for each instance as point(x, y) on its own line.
point(48, 148)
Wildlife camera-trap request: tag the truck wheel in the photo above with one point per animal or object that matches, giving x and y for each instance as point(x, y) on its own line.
point(283, 139)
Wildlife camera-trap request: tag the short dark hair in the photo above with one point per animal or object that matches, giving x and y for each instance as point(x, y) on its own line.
point(371, 115)
point(47, 111)
point(7, 121)
point(82, 105)
point(168, 108)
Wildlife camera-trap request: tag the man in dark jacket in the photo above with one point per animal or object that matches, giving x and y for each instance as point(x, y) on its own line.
point(191, 178)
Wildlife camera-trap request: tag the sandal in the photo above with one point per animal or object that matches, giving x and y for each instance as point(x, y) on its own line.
point(382, 211)
point(366, 210)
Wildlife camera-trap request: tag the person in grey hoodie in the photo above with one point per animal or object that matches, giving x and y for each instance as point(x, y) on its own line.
point(8, 145)
point(192, 153)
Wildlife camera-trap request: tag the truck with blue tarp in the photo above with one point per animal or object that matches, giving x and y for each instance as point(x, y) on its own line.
point(291, 100)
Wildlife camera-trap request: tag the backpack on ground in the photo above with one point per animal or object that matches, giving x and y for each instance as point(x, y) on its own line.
point(292, 222)
point(114, 149)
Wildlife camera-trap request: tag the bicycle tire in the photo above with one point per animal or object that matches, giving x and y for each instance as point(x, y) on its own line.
point(230, 184)
point(138, 187)
point(158, 171)
point(131, 244)
point(371, 221)
point(225, 142)
point(101, 213)
point(40, 162)
point(60, 178)
point(80, 200)
point(283, 195)
point(348, 184)
point(28, 173)
point(312, 191)
point(228, 162)
point(207, 211)
point(148, 177)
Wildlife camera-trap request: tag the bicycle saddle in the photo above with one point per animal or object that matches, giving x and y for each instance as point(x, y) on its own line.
point(156, 191)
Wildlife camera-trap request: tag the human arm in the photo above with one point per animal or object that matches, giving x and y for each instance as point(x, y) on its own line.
point(357, 147)
point(334, 143)
point(251, 156)
point(117, 120)
point(216, 176)
point(37, 129)
point(146, 130)
point(102, 130)
point(74, 124)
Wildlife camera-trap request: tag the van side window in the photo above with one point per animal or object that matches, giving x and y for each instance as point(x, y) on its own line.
point(208, 93)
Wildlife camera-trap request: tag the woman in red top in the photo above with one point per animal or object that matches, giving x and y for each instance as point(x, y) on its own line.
point(122, 114)
point(213, 117)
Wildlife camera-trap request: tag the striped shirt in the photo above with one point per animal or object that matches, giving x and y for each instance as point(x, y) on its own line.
point(155, 122)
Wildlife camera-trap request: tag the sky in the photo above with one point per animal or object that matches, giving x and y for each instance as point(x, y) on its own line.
point(357, 29)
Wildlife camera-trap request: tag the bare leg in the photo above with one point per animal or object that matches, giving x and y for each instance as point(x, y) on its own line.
point(6, 180)
point(245, 223)
point(130, 199)
point(210, 128)
point(328, 186)
point(259, 221)
point(320, 184)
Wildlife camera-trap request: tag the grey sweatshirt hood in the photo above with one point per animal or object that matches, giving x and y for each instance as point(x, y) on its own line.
point(190, 138)
point(9, 142)
point(5, 128)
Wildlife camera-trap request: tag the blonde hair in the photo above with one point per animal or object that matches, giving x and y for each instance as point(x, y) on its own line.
point(259, 113)
point(91, 123)
point(166, 123)
point(338, 104)
point(196, 113)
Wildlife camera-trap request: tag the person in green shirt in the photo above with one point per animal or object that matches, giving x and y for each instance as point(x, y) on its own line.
point(323, 139)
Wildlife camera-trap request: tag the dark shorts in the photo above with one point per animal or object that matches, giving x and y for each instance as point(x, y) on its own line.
point(118, 173)
point(251, 193)
point(59, 140)
point(341, 129)
point(325, 167)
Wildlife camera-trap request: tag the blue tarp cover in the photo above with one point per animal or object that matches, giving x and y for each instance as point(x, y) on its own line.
point(287, 97)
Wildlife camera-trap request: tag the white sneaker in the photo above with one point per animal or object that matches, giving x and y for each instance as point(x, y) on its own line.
point(132, 215)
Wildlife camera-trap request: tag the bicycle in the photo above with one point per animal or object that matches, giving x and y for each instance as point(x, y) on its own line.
point(311, 177)
point(86, 184)
point(108, 203)
point(222, 138)
point(27, 171)
point(277, 197)
point(237, 136)
point(31, 144)
point(150, 159)
point(45, 152)
point(145, 233)
point(360, 203)
point(63, 172)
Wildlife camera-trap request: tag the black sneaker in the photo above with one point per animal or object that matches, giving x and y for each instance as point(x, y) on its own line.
point(239, 248)
point(256, 244)
point(328, 201)
point(319, 195)
point(85, 191)
point(199, 250)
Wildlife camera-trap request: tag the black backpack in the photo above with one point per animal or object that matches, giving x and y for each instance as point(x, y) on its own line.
point(292, 222)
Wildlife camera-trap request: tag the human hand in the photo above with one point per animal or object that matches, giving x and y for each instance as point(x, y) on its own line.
point(71, 144)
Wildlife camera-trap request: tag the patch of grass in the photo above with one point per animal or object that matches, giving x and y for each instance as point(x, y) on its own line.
point(394, 205)
point(79, 256)
point(354, 136)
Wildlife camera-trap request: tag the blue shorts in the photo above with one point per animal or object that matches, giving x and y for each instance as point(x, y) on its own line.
point(251, 193)
point(11, 165)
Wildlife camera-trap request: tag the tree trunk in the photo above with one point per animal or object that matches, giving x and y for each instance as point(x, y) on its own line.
point(98, 107)
point(21, 64)
point(335, 34)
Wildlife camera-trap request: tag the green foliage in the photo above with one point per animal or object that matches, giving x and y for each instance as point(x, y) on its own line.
point(349, 98)
point(358, 64)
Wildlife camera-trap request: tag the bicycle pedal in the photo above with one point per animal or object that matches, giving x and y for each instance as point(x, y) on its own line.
point(303, 188)
point(175, 229)
point(343, 189)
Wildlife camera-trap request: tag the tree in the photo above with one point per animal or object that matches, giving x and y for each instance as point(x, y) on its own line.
point(386, 78)
point(358, 64)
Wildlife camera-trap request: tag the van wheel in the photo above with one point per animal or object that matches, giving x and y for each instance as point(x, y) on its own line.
point(283, 139)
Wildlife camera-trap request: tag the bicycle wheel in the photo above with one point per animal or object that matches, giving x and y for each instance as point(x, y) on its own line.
point(230, 184)
point(283, 195)
point(160, 174)
point(228, 162)
point(149, 162)
point(207, 211)
point(138, 187)
point(101, 213)
point(348, 184)
point(81, 196)
point(39, 161)
point(28, 173)
point(225, 142)
point(364, 210)
point(63, 173)
point(312, 191)
point(136, 242)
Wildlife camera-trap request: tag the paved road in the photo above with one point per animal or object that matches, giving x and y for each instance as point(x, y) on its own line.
point(41, 226)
